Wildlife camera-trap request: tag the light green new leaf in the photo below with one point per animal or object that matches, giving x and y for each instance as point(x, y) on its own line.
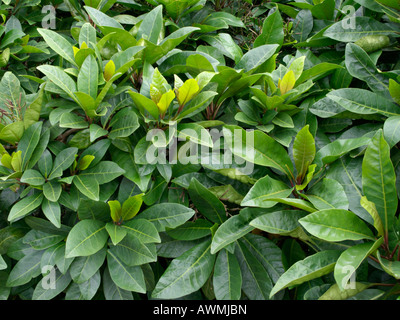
point(303, 151)
point(116, 232)
point(131, 207)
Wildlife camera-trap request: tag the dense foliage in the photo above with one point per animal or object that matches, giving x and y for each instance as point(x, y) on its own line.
point(199, 149)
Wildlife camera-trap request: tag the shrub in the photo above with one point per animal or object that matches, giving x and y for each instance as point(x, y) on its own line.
point(199, 149)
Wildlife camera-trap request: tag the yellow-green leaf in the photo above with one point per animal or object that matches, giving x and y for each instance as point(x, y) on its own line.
point(187, 91)
point(109, 70)
point(165, 101)
point(115, 210)
point(287, 83)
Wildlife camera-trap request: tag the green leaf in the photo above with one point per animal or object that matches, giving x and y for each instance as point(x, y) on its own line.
point(52, 190)
point(96, 132)
point(124, 276)
point(312, 267)
point(327, 194)
point(12, 132)
point(363, 102)
point(350, 260)
point(391, 267)
point(303, 25)
point(360, 65)
point(194, 133)
point(303, 151)
point(265, 188)
point(116, 232)
point(52, 211)
point(142, 229)
point(257, 147)
point(391, 130)
point(256, 282)
point(232, 229)
point(40, 240)
point(102, 19)
point(60, 79)
point(336, 225)
point(227, 277)
point(272, 31)
point(59, 44)
point(132, 252)
point(186, 274)
point(123, 124)
point(131, 207)
point(63, 161)
point(371, 209)
point(334, 293)
point(379, 179)
point(143, 103)
point(88, 186)
point(256, 57)
point(83, 268)
point(25, 269)
point(363, 26)
point(103, 172)
point(32, 177)
point(151, 25)
point(86, 238)
point(88, 77)
point(191, 230)
point(73, 121)
point(283, 222)
point(25, 206)
point(28, 142)
point(206, 202)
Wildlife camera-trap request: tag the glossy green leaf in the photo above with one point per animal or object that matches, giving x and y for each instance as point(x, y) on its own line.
point(350, 260)
point(206, 202)
point(227, 277)
point(312, 267)
point(379, 179)
point(336, 225)
point(25, 206)
point(86, 238)
point(186, 274)
point(125, 277)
